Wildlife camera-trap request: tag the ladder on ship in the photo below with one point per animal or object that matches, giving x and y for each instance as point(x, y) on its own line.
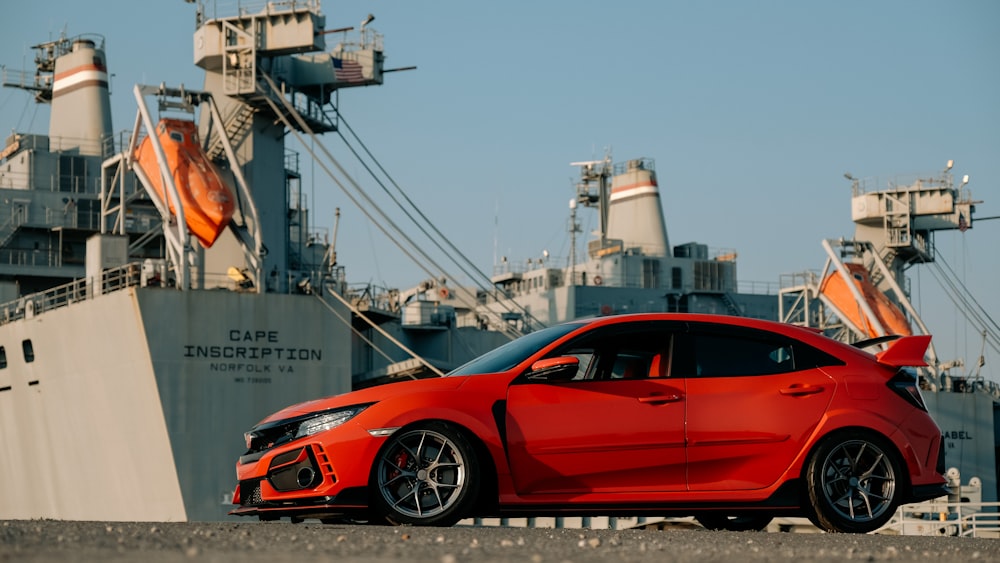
point(236, 127)
point(18, 217)
point(731, 306)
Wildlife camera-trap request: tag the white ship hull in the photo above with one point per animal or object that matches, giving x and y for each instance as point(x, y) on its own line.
point(135, 401)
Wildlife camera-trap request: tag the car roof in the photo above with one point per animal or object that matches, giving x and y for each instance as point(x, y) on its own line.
point(806, 334)
point(696, 317)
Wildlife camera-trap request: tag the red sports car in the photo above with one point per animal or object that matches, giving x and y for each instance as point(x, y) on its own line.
point(729, 419)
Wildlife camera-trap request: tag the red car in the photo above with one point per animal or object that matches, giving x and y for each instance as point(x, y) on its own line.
point(729, 419)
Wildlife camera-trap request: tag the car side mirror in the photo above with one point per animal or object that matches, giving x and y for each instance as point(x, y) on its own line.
point(561, 368)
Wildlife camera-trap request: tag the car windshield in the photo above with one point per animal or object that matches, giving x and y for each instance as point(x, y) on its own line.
point(515, 351)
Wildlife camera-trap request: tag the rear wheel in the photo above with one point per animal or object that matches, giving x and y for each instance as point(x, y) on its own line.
point(854, 481)
point(745, 523)
point(426, 475)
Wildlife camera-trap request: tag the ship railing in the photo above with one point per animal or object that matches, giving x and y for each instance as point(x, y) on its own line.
point(644, 163)
point(74, 146)
point(113, 279)
point(131, 275)
point(758, 287)
point(62, 180)
point(509, 268)
point(943, 518)
point(873, 184)
point(810, 278)
point(43, 257)
point(25, 80)
point(72, 218)
point(368, 296)
point(227, 8)
point(67, 217)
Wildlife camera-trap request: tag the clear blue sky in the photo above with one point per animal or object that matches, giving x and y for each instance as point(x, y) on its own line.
point(752, 110)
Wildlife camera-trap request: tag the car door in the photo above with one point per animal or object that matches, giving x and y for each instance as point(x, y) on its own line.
point(753, 397)
point(613, 429)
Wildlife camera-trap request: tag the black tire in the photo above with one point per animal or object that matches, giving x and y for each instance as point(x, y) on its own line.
point(744, 523)
point(425, 475)
point(854, 481)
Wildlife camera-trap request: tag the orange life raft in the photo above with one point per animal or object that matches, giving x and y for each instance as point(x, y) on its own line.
point(888, 314)
point(206, 198)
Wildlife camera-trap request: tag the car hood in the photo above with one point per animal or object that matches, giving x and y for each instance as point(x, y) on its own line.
point(369, 395)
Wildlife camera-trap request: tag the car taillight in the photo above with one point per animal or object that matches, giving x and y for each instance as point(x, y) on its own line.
point(904, 384)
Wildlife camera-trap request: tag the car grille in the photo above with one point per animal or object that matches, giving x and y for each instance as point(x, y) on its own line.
point(250, 493)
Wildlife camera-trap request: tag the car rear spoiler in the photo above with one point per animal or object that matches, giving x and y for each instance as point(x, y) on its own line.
point(905, 351)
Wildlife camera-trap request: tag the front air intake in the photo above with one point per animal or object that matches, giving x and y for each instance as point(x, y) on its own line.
point(294, 470)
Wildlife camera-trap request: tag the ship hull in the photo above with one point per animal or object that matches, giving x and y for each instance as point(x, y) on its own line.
point(968, 427)
point(134, 403)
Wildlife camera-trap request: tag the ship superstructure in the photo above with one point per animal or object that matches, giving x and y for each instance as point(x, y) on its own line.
point(629, 264)
point(51, 183)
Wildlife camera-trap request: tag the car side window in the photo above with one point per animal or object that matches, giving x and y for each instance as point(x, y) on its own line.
point(727, 351)
point(630, 364)
point(723, 355)
point(585, 371)
point(611, 354)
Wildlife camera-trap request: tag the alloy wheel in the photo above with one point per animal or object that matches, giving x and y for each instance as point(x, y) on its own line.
point(858, 481)
point(421, 474)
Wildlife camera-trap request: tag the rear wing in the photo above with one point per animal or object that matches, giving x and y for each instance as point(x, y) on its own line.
point(905, 351)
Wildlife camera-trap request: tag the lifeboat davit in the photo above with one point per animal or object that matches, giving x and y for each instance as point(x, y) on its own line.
point(207, 200)
point(889, 315)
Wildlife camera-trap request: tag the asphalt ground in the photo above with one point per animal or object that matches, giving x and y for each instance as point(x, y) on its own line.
point(279, 542)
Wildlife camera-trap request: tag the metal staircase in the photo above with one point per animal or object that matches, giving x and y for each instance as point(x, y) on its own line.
point(10, 227)
point(897, 222)
point(237, 127)
point(731, 306)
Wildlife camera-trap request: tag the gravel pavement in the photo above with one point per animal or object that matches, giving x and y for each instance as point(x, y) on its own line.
point(278, 542)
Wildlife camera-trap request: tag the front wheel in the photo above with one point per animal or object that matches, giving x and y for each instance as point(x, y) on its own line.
point(854, 480)
point(745, 523)
point(426, 475)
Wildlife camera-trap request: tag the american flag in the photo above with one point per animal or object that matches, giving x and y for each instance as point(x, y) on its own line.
point(347, 71)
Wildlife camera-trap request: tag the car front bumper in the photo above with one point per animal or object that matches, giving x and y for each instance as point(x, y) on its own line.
point(323, 474)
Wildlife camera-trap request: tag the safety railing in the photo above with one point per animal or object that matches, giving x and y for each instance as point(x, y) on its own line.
point(939, 518)
point(75, 291)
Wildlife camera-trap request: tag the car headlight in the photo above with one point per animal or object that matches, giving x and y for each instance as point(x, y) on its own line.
point(326, 420)
point(270, 434)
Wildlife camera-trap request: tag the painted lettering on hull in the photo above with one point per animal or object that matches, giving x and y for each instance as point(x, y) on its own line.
point(252, 353)
point(247, 353)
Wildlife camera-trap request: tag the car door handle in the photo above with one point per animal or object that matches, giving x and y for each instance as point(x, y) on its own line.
point(658, 399)
point(800, 389)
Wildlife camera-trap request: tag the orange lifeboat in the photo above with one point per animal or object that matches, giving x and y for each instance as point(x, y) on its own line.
point(888, 314)
point(207, 200)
